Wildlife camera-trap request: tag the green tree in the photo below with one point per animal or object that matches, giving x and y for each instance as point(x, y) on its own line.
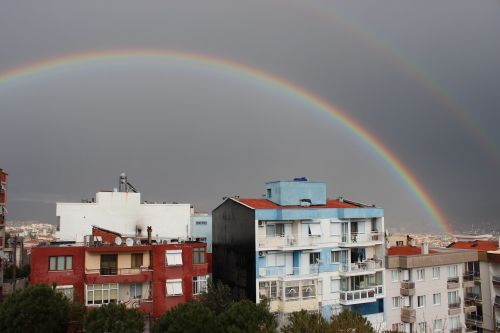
point(305, 322)
point(217, 298)
point(247, 317)
point(192, 317)
point(113, 318)
point(37, 308)
point(350, 322)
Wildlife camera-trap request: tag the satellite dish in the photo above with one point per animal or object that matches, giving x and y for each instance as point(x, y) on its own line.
point(118, 241)
point(129, 242)
point(138, 241)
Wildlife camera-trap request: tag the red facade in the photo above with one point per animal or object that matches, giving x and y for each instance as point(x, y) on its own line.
point(154, 276)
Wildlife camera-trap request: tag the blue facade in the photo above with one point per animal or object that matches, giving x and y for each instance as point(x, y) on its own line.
point(318, 213)
point(201, 227)
point(366, 309)
point(291, 193)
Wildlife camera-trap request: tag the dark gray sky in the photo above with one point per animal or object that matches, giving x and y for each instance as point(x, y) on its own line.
point(187, 133)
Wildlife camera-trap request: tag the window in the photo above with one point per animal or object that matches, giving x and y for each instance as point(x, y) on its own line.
point(61, 263)
point(199, 284)
point(396, 302)
point(173, 257)
point(438, 325)
point(269, 193)
point(109, 263)
point(201, 222)
point(136, 290)
point(454, 322)
point(198, 255)
point(452, 271)
point(453, 299)
point(421, 301)
point(399, 243)
point(421, 274)
point(421, 327)
point(67, 291)
point(436, 299)
point(314, 229)
point(339, 257)
point(136, 260)
point(436, 272)
point(102, 293)
point(275, 229)
point(268, 289)
point(394, 275)
point(314, 258)
point(174, 287)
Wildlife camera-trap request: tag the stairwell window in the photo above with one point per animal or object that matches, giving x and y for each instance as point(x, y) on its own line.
point(199, 255)
point(438, 325)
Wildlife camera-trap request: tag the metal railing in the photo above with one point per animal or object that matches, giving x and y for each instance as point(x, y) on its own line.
point(283, 271)
point(454, 279)
point(363, 266)
point(455, 304)
point(361, 237)
point(117, 271)
point(295, 240)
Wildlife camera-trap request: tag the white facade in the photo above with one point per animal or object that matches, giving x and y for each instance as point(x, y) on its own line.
point(122, 212)
point(427, 297)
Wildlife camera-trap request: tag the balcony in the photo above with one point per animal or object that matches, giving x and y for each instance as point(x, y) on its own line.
point(361, 296)
point(497, 301)
point(469, 278)
point(453, 282)
point(469, 307)
point(454, 308)
point(361, 268)
point(407, 288)
point(496, 280)
point(357, 239)
point(293, 241)
point(408, 315)
point(474, 320)
point(473, 297)
point(288, 272)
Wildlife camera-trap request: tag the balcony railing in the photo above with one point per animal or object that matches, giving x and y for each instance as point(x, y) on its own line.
point(408, 315)
point(361, 237)
point(496, 280)
point(292, 240)
point(363, 266)
point(282, 271)
point(356, 296)
point(407, 288)
point(455, 304)
point(117, 271)
point(497, 300)
point(473, 297)
point(453, 282)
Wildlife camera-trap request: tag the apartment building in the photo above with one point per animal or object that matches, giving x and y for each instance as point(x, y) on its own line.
point(478, 287)
point(3, 213)
point(493, 258)
point(424, 289)
point(149, 276)
point(201, 228)
point(301, 250)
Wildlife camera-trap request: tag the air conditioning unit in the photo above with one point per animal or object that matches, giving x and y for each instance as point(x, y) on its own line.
point(261, 223)
point(262, 254)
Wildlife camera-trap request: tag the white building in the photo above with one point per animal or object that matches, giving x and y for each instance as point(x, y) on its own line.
point(424, 289)
point(123, 212)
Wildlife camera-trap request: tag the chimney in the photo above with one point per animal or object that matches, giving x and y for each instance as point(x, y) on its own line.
point(150, 230)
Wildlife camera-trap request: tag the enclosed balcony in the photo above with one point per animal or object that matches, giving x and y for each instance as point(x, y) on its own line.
point(357, 239)
point(288, 272)
point(290, 296)
point(361, 296)
point(408, 315)
point(407, 288)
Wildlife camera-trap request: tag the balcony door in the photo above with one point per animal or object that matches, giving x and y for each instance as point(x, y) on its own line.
point(109, 264)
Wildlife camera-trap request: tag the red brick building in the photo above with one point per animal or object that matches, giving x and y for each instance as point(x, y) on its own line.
point(151, 277)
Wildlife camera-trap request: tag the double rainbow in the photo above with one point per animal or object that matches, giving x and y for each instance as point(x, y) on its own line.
point(250, 73)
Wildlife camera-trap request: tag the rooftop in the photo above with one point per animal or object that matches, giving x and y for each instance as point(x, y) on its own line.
point(259, 203)
point(407, 250)
point(477, 245)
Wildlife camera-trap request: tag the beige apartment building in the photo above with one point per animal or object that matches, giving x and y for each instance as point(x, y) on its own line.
point(424, 289)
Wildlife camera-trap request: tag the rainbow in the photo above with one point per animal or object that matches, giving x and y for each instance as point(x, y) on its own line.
point(468, 121)
point(259, 76)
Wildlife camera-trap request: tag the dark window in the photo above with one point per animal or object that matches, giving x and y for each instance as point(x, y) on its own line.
point(136, 260)
point(314, 258)
point(198, 255)
point(60, 263)
point(108, 264)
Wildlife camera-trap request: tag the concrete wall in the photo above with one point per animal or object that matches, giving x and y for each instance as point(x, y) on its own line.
point(290, 193)
point(122, 212)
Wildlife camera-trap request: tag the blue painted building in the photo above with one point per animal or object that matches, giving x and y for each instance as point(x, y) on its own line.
point(301, 250)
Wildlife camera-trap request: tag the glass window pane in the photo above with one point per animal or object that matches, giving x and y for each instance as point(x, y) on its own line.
point(69, 262)
point(60, 263)
point(52, 263)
